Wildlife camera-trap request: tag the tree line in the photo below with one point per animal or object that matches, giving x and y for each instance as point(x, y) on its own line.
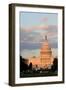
point(24, 66)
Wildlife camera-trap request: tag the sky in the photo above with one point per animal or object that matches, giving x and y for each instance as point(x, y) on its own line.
point(33, 28)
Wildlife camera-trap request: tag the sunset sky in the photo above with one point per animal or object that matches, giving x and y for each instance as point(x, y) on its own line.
point(33, 28)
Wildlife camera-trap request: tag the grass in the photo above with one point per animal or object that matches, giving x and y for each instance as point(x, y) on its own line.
point(38, 74)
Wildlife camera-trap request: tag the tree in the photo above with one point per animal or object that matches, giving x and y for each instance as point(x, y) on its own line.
point(55, 65)
point(23, 65)
point(30, 66)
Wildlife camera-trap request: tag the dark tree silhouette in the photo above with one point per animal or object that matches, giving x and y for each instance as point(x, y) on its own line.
point(55, 65)
point(23, 64)
point(30, 66)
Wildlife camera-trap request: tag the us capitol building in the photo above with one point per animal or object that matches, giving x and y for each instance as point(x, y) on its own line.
point(45, 59)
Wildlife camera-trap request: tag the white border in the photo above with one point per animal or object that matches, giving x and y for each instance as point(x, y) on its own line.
point(19, 80)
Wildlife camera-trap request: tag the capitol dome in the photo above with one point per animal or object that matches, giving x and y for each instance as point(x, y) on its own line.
point(45, 53)
point(45, 59)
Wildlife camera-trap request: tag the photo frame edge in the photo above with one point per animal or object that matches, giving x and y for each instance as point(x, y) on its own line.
point(12, 43)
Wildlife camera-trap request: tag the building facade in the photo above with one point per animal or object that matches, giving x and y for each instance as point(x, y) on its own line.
point(45, 60)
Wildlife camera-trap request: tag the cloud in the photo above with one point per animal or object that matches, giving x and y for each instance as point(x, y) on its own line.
point(33, 46)
point(45, 19)
point(29, 53)
point(37, 33)
point(26, 53)
point(54, 52)
point(30, 46)
point(39, 27)
point(34, 38)
point(37, 36)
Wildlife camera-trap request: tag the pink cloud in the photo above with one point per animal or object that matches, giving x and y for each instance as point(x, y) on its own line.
point(52, 26)
point(40, 27)
point(45, 19)
point(51, 33)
